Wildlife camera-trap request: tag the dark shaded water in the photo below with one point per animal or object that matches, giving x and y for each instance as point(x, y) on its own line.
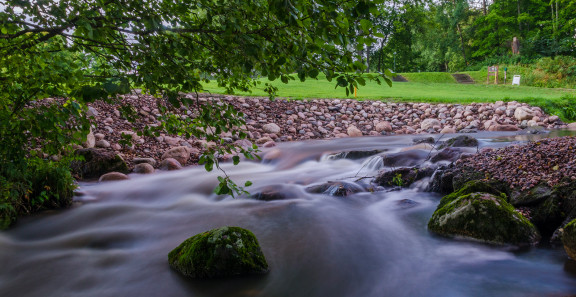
point(369, 244)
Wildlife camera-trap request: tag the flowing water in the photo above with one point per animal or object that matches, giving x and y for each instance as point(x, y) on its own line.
point(115, 241)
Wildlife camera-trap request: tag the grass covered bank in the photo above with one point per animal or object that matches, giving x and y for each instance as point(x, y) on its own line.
point(426, 87)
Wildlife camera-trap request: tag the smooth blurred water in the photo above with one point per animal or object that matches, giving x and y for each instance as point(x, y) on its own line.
point(116, 240)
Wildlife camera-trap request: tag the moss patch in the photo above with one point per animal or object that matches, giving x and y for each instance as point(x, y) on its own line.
point(473, 186)
point(569, 239)
point(403, 177)
point(226, 251)
point(482, 216)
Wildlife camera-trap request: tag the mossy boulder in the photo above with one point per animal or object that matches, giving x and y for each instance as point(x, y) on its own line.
point(548, 215)
point(463, 175)
point(482, 216)
point(534, 195)
point(403, 177)
point(97, 162)
point(569, 239)
point(473, 186)
point(222, 252)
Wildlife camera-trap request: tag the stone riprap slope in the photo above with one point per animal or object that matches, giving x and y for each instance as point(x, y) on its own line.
point(522, 167)
point(287, 120)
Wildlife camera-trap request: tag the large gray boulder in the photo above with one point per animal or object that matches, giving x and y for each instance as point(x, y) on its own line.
point(222, 252)
point(97, 162)
point(143, 168)
point(181, 154)
point(90, 140)
point(429, 123)
point(113, 176)
point(338, 188)
point(477, 212)
point(569, 239)
point(460, 141)
point(271, 128)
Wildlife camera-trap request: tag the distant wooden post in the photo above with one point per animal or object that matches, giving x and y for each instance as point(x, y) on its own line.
point(492, 71)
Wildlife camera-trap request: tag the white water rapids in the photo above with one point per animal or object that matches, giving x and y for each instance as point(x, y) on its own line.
point(115, 241)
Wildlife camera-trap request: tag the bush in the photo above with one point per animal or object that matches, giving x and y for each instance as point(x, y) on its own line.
point(32, 187)
point(51, 184)
point(558, 72)
point(561, 66)
point(564, 107)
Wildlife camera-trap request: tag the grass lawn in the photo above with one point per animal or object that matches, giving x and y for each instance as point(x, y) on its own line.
point(447, 91)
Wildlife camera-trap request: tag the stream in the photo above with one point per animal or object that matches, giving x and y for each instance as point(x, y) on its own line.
point(115, 240)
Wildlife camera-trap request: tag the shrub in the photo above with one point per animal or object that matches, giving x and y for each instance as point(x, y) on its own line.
point(34, 186)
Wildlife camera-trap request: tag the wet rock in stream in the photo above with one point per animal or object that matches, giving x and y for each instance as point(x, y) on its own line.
point(460, 141)
point(339, 188)
point(479, 211)
point(537, 179)
point(274, 192)
point(355, 155)
point(222, 252)
point(406, 158)
point(403, 177)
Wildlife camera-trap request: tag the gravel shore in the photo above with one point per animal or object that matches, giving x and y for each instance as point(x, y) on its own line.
point(547, 160)
point(288, 120)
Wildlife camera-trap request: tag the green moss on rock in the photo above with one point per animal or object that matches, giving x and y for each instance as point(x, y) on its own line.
point(466, 174)
point(535, 195)
point(569, 239)
point(482, 216)
point(473, 186)
point(226, 251)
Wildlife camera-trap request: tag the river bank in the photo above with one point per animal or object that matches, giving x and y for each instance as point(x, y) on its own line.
point(268, 122)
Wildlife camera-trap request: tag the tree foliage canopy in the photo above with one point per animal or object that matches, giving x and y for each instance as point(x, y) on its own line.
point(97, 49)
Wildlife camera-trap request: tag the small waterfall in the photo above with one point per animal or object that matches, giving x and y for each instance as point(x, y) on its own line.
point(373, 163)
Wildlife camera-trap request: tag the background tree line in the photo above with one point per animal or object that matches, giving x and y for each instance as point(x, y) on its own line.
point(456, 35)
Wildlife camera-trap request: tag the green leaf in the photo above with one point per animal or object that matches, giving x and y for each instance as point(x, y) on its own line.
point(366, 25)
point(209, 165)
point(388, 81)
point(111, 87)
point(281, 61)
point(313, 73)
point(248, 183)
point(236, 160)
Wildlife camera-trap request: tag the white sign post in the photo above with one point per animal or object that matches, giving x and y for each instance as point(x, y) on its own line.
point(516, 80)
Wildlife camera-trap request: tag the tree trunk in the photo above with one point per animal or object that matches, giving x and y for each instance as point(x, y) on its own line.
point(379, 66)
point(484, 7)
point(462, 43)
point(519, 24)
point(368, 52)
